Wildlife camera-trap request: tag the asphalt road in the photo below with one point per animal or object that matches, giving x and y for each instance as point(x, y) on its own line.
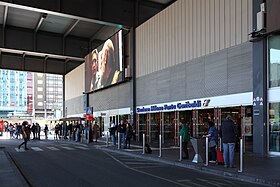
point(49, 163)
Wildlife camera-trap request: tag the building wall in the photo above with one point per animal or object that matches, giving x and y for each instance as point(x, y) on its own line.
point(74, 88)
point(190, 29)
point(75, 83)
point(115, 97)
point(225, 72)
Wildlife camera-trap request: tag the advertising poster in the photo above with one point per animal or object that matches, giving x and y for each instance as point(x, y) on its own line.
point(103, 65)
point(247, 127)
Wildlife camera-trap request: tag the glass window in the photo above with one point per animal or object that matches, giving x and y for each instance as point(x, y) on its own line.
point(274, 127)
point(274, 61)
point(40, 104)
point(40, 89)
point(40, 81)
point(40, 96)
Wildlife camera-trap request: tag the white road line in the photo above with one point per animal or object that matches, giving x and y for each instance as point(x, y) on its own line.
point(68, 148)
point(81, 147)
point(53, 148)
point(37, 149)
point(19, 150)
point(141, 163)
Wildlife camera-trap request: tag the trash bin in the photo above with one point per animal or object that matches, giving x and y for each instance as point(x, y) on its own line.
point(199, 149)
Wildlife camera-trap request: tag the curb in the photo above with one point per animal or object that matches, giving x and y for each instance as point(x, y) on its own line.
point(233, 175)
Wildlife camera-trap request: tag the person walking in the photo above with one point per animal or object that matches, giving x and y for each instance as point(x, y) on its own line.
point(184, 132)
point(95, 129)
point(25, 135)
point(128, 135)
point(228, 134)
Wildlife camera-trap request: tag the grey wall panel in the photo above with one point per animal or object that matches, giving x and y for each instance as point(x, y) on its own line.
point(177, 82)
point(225, 72)
point(112, 98)
point(189, 29)
point(163, 85)
point(240, 69)
point(75, 105)
point(216, 73)
point(195, 77)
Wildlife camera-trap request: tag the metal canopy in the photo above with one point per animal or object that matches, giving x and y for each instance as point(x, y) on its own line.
point(54, 36)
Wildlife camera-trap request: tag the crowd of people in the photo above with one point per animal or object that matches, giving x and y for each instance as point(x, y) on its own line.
point(229, 132)
point(125, 131)
point(15, 130)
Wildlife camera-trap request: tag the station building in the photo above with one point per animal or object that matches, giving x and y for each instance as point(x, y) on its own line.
point(194, 61)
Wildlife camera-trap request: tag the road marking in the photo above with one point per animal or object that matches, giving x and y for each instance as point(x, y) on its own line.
point(37, 149)
point(53, 148)
point(190, 182)
point(68, 148)
point(19, 150)
point(147, 167)
point(82, 147)
point(213, 183)
point(140, 163)
point(143, 172)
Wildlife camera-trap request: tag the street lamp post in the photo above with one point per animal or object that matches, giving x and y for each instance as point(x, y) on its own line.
point(45, 110)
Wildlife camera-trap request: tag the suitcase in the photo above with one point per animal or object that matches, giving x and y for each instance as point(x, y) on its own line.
point(220, 157)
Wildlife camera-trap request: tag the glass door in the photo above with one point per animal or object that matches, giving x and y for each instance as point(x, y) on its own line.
point(274, 128)
point(154, 127)
point(169, 128)
point(142, 125)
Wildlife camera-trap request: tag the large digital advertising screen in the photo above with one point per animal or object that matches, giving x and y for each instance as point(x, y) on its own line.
point(103, 65)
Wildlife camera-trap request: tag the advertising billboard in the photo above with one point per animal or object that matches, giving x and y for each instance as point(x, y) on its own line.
point(103, 65)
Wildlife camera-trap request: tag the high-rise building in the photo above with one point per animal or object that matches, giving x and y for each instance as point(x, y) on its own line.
point(26, 94)
point(48, 94)
point(13, 93)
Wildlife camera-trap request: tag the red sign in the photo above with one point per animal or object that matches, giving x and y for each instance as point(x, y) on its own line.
point(1, 126)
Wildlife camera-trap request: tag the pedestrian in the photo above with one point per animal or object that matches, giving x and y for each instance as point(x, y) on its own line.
point(213, 141)
point(128, 135)
point(122, 131)
point(33, 129)
point(11, 129)
point(24, 132)
point(112, 131)
point(228, 134)
point(184, 132)
point(46, 130)
point(56, 131)
point(95, 131)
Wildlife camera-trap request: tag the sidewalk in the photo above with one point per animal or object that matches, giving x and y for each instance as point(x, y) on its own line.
point(256, 169)
point(9, 174)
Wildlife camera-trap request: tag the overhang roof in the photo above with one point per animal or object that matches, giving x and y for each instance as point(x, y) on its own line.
point(39, 19)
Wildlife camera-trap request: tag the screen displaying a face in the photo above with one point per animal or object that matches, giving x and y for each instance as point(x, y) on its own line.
point(103, 66)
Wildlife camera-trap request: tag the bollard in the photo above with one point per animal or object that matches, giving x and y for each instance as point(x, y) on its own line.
point(241, 156)
point(180, 156)
point(220, 144)
point(119, 140)
point(143, 144)
point(88, 140)
point(107, 140)
point(207, 151)
point(159, 146)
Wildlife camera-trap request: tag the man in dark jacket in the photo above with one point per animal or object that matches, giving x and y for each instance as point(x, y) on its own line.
point(228, 138)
